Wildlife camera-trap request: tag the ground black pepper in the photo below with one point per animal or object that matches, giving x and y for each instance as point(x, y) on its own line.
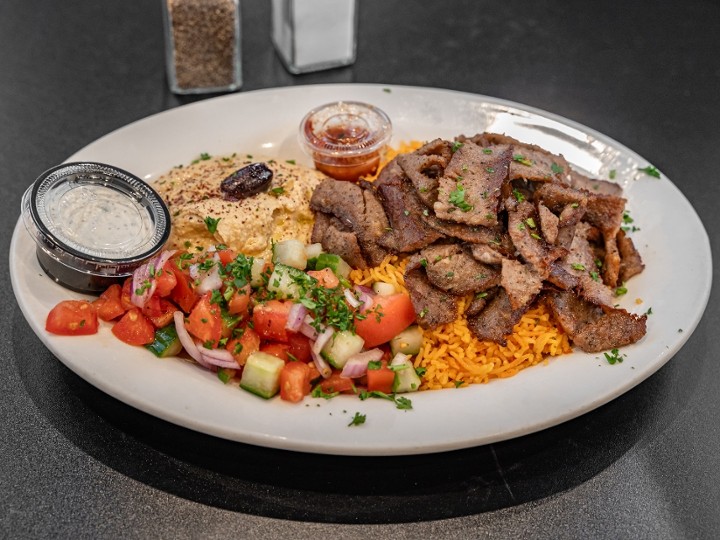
point(203, 42)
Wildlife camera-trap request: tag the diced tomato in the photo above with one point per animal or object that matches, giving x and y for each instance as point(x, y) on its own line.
point(295, 381)
point(380, 380)
point(108, 305)
point(205, 321)
point(165, 280)
point(325, 277)
point(270, 318)
point(72, 318)
point(240, 301)
point(226, 255)
point(182, 294)
point(388, 316)
point(279, 350)
point(159, 311)
point(134, 328)
point(299, 347)
point(336, 383)
point(126, 294)
point(243, 346)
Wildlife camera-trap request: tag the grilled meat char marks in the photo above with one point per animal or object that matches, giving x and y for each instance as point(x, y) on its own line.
point(471, 187)
point(433, 307)
point(360, 214)
point(407, 231)
point(498, 223)
point(594, 328)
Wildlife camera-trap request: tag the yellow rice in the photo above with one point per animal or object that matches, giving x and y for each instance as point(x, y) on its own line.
point(452, 356)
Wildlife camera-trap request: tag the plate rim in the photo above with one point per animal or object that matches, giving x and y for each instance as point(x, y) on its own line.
point(269, 441)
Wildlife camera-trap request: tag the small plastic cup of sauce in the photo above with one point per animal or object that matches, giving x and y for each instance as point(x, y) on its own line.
point(93, 224)
point(345, 139)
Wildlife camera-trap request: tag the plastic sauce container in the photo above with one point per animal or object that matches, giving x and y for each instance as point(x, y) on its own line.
point(93, 224)
point(345, 139)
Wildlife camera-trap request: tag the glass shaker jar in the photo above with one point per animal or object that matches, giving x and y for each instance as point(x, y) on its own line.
point(311, 35)
point(202, 45)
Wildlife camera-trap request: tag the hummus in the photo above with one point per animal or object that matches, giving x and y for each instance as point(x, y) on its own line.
point(192, 194)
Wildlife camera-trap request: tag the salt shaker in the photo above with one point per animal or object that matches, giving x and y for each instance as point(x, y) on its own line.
point(202, 45)
point(311, 35)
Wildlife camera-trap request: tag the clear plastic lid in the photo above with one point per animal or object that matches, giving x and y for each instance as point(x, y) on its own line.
point(95, 218)
point(344, 129)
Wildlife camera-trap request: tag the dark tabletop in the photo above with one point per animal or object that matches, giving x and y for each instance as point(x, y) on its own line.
point(77, 463)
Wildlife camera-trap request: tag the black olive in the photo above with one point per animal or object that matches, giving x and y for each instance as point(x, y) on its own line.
point(247, 181)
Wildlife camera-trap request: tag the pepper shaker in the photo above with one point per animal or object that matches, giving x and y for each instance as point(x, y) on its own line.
point(202, 45)
point(312, 35)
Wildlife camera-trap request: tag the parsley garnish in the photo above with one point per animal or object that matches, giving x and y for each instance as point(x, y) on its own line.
point(519, 197)
point(650, 170)
point(211, 224)
point(277, 191)
point(357, 420)
point(522, 160)
point(557, 169)
point(457, 198)
point(614, 356)
point(456, 146)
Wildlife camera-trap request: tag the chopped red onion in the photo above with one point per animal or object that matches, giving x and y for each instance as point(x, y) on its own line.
point(214, 361)
point(307, 329)
point(141, 282)
point(322, 339)
point(356, 365)
point(296, 317)
point(352, 299)
point(211, 280)
point(321, 365)
point(366, 297)
point(187, 341)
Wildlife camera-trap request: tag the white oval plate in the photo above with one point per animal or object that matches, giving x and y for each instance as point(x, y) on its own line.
point(671, 238)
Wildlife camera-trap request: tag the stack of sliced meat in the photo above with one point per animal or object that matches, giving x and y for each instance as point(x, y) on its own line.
point(503, 221)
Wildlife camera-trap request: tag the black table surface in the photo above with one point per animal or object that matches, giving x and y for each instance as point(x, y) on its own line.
point(77, 463)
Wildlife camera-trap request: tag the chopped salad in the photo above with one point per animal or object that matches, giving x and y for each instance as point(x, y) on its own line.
point(294, 325)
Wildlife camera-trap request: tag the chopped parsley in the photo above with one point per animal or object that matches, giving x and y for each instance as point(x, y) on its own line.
point(614, 357)
point(457, 198)
point(211, 224)
point(277, 191)
point(578, 266)
point(557, 169)
point(519, 197)
point(357, 420)
point(522, 160)
point(612, 174)
point(650, 170)
point(622, 289)
point(457, 145)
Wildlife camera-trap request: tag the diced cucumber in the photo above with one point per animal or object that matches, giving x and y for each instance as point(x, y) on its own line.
point(409, 341)
point(335, 263)
point(261, 374)
point(291, 253)
point(406, 378)
point(384, 289)
point(342, 346)
point(256, 270)
point(167, 343)
point(285, 281)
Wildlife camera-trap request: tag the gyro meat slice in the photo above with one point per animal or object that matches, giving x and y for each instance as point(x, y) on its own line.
point(603, 187)
point(433, 307)
point(529, 161)
point(358, 210)
point(451, 268)
point(496, 322)
point(630, 260)
point(407, 231)
point(471, 188)
point(521, 282)
point(593, 328)
point(549, 223)
point(331, 233)
point(425, 166)
point(526, 236)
